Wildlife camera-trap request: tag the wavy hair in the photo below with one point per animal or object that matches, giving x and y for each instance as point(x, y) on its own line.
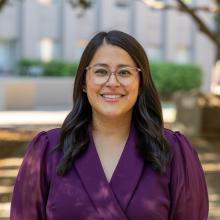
point(147, 113)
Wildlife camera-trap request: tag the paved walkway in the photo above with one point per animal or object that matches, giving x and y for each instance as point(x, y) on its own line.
point(209, 154)
point(37, 118)
point(31, 118)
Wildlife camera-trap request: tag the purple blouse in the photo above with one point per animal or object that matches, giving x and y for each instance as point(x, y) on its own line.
point(135, 191)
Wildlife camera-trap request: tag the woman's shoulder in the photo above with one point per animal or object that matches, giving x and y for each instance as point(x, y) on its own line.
point(184, 157)
point(179, 143)
point(51, 133)
point(50, 137)
point(40, 153)
point(173, 135)
point(43, 143)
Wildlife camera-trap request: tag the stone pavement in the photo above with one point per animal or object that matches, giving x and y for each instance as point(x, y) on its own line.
point(209, 154)
point(20, 132)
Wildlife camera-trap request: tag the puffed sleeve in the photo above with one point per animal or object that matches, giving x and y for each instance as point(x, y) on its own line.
point(189, 197)
point(31, 186)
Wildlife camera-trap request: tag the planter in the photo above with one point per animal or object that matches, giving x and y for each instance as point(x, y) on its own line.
point(198, 114)
point(24, 93)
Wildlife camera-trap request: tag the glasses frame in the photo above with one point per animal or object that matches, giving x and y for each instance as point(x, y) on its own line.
point(113, 72)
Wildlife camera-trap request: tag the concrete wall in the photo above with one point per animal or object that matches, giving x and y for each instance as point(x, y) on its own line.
point(35, 93)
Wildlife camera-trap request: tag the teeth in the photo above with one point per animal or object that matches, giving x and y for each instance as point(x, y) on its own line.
point(111, 96)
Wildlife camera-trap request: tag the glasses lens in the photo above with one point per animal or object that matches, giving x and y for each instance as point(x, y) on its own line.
point(126, 75)
point(100, 71)
point(99, 74)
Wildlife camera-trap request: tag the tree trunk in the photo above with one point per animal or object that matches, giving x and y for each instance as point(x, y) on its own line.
point(217, 27)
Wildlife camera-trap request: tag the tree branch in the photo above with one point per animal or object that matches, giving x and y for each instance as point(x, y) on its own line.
point(191, 11)
point(84, 4)
point(161, 5)
point(2, 4)
point(202, 26)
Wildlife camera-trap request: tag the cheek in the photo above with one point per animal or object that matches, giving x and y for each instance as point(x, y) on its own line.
point(92, 93)
point(90, 87)
point(135, 94)
point(134, 90)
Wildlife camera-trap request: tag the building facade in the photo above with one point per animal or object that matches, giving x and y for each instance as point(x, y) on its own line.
point(52, 29)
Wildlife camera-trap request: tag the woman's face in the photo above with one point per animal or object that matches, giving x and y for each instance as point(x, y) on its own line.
point(116, 96)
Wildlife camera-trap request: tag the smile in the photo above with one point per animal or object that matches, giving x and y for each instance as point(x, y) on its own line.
point(109, 97)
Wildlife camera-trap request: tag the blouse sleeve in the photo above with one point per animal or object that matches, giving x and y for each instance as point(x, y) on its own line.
point(188, 187)
point(31, 187)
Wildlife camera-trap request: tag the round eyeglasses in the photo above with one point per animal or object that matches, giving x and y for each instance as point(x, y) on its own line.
point(124, 75)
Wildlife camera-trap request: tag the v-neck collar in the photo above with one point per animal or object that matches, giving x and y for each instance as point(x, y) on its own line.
point(111, 198)
point(128, 171)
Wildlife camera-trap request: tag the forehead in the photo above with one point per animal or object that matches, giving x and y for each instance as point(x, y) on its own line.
point(112, 56)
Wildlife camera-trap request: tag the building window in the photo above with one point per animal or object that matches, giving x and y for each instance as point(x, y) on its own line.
point(49, 49)
point(182, 54)
point(122, 3)
point(154, 52)
point(7, 56)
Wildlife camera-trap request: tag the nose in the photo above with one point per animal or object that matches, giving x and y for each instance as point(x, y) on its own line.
point(112, 80)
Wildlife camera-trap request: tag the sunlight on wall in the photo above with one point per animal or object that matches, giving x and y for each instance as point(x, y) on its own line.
point(46, 49)
point(46, 2)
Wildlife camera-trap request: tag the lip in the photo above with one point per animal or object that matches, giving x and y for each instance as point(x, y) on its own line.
point(108, 93)
point(113, 97)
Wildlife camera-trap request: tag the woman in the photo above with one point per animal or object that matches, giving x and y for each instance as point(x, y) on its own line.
point(112, 159)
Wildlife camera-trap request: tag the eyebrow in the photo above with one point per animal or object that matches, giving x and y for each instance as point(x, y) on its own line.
point(106, 65)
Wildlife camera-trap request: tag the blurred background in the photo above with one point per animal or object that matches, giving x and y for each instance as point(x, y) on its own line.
point(41, 42)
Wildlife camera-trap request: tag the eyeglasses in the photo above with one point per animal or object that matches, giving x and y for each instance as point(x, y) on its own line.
point(124, 75)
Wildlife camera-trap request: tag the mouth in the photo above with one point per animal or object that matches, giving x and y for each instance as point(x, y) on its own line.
point(112, 97)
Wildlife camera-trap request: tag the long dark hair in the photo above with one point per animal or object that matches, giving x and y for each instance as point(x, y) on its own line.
point(147, 113)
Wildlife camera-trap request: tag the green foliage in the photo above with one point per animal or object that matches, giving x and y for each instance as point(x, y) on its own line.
point(3, 3)
point(59, 68)
point(26, 66)
point(84, 4)
point(29, 67)
point(171, 77)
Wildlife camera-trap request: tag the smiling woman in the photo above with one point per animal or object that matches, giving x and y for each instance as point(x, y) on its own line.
point(112, 158)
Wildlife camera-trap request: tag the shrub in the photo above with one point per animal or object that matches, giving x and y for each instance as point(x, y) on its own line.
point(171, 77)
point(59, 68)
point(29, 67)
point(26, 67)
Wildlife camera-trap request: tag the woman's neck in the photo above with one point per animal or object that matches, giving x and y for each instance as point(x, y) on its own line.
point(118, 127)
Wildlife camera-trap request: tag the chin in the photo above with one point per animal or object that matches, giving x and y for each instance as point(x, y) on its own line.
point(114, 114)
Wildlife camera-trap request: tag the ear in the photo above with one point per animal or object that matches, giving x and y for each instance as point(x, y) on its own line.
point(84, 88)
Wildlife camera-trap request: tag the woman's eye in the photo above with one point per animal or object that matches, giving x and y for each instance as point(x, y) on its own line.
point(102, 72)
point(124, 72)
